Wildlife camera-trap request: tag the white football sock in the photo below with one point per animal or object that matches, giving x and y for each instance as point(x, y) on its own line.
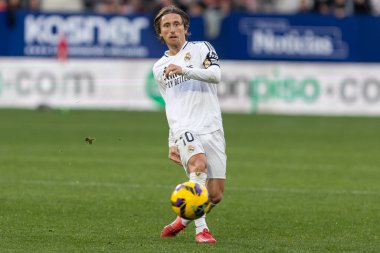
point(185, 222)
point(200, 224)
point(198, 177)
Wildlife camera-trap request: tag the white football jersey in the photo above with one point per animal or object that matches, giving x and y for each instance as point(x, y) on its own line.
point(191, 98)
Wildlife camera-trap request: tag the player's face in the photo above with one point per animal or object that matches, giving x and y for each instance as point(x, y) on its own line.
point(172, 30)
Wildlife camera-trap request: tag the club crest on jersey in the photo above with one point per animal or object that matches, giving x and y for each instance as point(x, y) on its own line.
point(190, 149)
point(206, 63)
point(187, 56)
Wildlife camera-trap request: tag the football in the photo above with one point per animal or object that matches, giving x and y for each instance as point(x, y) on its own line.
point(190, 200)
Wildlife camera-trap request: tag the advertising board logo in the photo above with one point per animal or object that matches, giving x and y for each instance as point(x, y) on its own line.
point(48, 84)
point(86, 35)
point(276, 38)
point(285, 88)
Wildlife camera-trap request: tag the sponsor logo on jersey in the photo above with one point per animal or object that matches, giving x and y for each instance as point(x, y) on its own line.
point(173, 80)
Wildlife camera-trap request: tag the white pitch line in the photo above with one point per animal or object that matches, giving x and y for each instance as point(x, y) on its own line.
point(307, 191)
point(237, 189)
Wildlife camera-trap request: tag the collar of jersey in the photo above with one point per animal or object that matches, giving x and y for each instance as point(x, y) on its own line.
point(167, 52)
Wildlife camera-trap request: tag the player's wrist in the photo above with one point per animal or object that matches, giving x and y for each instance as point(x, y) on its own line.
point(185, 70)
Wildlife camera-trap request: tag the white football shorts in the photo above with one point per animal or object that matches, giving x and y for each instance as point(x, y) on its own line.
point(213, 145)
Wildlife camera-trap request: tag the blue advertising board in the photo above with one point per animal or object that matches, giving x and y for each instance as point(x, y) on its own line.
point(300, 37)
point(3, 33)
point(368, 38)
point(87, 35)
point(38, 34)
point(307, 37)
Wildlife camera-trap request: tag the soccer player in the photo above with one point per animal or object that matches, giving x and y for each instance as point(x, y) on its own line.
point(187, 76)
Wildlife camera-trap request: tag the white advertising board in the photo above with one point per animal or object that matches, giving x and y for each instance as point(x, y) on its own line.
point(303, 88)
point(75, 83)
point(248, 87)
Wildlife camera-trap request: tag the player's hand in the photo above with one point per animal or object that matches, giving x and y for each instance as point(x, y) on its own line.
point(174, 155)
point(173, 69)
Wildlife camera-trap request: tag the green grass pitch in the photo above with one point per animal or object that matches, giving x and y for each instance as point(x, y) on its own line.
point(295, 184)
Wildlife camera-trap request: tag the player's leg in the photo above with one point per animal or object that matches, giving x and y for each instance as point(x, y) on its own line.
point(193, 157)
point(197, 167)
point(194, 160)
point(215, 187)
point(214, 146)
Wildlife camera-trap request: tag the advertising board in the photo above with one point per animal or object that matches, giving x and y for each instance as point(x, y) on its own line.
point(246, 87)
point(306, 37)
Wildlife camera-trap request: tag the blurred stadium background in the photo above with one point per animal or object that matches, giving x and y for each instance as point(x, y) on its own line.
point(300, 94)
point(294, 56)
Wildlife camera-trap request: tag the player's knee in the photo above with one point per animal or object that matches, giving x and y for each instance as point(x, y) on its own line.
point(201, 167)
point(198, 165)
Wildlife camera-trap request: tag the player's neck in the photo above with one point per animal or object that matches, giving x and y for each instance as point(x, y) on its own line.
point(174, 49)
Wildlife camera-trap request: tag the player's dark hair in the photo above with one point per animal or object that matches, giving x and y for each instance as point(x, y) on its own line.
point(167, 10)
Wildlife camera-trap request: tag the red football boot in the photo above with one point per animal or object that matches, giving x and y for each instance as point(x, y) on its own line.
point(173, 228)
point(205, 237)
